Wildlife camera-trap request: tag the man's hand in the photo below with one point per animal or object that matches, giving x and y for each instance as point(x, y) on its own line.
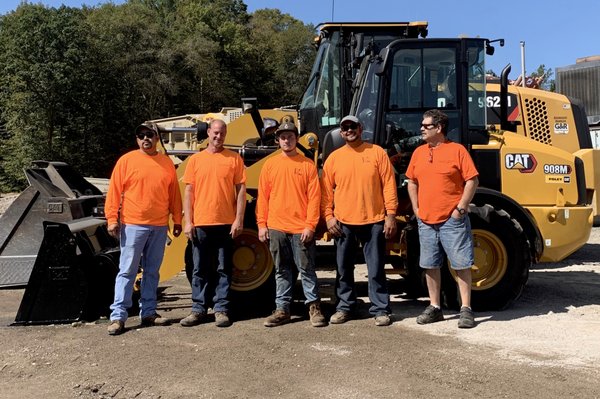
point(176, 230)
point(389, 226)
point(307, 236)
point(263, 234)
point(189, 231)
point(236, 228)
point(113, 230)
point(333, 227)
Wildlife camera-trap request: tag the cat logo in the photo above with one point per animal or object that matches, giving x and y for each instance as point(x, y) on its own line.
point(524, 163)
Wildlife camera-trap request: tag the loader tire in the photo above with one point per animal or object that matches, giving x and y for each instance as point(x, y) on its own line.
point(502, 262)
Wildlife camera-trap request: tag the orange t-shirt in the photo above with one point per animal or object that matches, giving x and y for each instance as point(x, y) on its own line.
point(148, 185)
point(440, 182)
point(214, 177)
point(358, 185)
point(289, 194)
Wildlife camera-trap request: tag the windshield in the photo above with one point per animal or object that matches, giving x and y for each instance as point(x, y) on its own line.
point(418, 79)
point(321, 93)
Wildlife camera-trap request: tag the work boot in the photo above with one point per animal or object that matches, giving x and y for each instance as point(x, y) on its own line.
point(116, 327)
point(316, 317)
point(278, 318)
point(431, 314)
point(155, 320)
point(340, 317)
point(466, 319)
point(383, 320)
point(222, 320)
point(193, 319)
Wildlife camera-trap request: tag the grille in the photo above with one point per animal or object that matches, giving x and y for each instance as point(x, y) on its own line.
point(537, 121)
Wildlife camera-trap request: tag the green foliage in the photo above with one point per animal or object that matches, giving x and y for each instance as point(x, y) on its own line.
point(548, 83)
point(74, 83)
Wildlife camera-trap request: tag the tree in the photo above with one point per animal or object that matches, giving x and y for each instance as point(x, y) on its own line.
point(74, 83)
point(282, 49)
point(43, 51)
point(548, 83)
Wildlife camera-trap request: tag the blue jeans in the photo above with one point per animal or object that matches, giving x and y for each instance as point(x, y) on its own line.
point(212, 253)
point(452, 237)
point(373, 241)
point(145, 243)
point(289, 252)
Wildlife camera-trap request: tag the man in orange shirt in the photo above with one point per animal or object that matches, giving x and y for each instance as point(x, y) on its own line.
point(214, 204)
point(287, 213)
point(442, 183)
point(142, 192)
point(359, 203)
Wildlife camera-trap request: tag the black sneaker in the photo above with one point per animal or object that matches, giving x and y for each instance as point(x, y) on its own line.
point(466, 319)
point(430, 315)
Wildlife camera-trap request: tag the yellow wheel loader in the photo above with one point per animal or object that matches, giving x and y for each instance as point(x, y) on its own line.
point(534, 200)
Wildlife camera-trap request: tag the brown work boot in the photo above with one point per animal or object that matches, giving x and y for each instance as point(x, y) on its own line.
point(340, 317)
point(383, 320)
point(155, 320)
point(278, 318)
point(116, 327)
point(193, 319)
point(222, 320)
point(316, 317)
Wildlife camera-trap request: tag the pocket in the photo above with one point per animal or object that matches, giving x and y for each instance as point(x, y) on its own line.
point(457, 222)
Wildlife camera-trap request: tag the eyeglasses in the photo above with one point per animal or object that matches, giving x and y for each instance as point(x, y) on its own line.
point(349, 126)
point(146, 133)
point(428, 126)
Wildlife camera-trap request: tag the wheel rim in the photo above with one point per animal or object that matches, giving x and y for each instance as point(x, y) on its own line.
point(491, 260)
point(252, 263)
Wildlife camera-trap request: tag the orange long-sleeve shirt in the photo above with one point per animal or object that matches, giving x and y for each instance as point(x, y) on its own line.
point(440, 174)
point(146, 188)
point(358, 185)
point(214, 176)
point(289, 194)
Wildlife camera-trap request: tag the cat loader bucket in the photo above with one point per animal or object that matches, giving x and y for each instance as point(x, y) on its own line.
point(74, 274)
point(56, 193)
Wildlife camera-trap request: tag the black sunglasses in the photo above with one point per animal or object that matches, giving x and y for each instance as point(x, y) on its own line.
point(146, 133)
point(428, 126)
point(349, 126)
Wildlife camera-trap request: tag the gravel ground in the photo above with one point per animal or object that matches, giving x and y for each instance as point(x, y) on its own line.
point(547, 344)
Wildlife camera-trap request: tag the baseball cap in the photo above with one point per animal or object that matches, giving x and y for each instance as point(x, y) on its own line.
point(350, 118)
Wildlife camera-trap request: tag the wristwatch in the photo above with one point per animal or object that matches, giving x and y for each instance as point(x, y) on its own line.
point(462, 211)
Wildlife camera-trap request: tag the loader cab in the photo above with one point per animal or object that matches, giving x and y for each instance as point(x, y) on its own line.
point(341, 46)
point(411, 76)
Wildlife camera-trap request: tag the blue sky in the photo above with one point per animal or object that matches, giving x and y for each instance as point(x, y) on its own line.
point(555, 33)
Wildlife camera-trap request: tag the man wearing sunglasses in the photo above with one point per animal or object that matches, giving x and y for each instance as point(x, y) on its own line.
point(142, 193)
point(442, 179)
point(359, 203)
